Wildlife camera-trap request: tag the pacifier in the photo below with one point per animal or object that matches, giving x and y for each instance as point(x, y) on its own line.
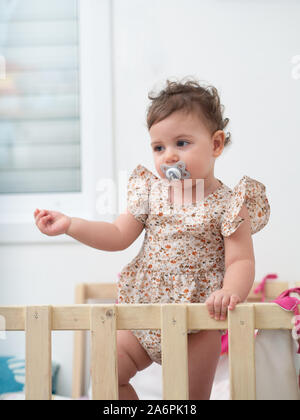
point(175, 171)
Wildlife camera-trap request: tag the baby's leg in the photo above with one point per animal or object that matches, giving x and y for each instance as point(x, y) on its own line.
point(132, 357)
point(204, 350)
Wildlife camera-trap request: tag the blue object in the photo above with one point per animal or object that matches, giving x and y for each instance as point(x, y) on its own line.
point(12, 374)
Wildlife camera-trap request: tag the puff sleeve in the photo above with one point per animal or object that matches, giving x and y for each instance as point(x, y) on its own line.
point(252, 193)
point(138, 188)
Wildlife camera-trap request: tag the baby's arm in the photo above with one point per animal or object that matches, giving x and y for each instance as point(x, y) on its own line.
point(239, 270)
point(239, 259)
point(105, 236)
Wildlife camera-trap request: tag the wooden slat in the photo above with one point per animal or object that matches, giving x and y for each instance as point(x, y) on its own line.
point(198, 318)
point(78, 349)
point(135, 317)
point(71, 317)
point(101, 290)
point(14, 317)
point(272, 291)
point(77, 317)
point(242, 353)
point(104, 352)
point(270, 316)
point(174, 352)
point(38, 381)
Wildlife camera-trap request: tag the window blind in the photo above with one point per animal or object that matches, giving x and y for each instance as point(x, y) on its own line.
point(39, 97)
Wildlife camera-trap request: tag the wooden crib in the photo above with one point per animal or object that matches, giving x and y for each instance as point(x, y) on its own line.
point(103, 320)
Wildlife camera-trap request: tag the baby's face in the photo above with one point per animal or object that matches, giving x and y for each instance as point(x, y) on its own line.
point(183, 136)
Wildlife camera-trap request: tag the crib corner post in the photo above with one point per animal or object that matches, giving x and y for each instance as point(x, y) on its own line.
point(241, 325)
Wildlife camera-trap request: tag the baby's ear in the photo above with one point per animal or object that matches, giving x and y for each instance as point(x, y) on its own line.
point(218, 142)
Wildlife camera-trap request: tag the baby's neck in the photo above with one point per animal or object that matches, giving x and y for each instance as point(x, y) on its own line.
point(176, 192)
point(210, 186)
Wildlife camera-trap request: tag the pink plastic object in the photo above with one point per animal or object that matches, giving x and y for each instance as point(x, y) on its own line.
point(289, 303)
point(262, 285)
point(284, 300)
point(259, 288)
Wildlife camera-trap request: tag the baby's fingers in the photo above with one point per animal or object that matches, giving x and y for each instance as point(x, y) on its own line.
point(42, 223)
point(210, 305)
point(234, 300)
point(45, 219)
point(40, 214)
point(225, 303)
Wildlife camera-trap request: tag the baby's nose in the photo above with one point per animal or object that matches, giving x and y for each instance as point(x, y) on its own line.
point(171, 158)
point(171, 162)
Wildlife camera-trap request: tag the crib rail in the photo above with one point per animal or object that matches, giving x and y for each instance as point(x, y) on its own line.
point(103, 320)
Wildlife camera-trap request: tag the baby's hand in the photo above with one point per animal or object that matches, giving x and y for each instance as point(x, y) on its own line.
point(51, 223)
point(219, 301)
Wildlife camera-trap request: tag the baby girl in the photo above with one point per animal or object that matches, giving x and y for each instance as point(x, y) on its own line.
point(194, 250)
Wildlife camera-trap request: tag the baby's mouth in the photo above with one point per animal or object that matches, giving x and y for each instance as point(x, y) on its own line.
point(177, 171)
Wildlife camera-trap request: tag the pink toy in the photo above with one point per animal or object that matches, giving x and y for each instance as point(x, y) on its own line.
point(261, 286)
point(284, 300)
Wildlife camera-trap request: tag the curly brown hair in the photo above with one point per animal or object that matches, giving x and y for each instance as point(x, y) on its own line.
point(189, 96)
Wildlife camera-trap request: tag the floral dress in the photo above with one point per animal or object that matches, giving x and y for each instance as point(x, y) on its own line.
point(182, 259)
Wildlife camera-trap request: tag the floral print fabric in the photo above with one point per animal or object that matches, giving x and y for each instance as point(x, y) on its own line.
point(182, 259)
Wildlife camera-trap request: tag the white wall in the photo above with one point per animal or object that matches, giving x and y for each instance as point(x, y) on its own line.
point(245, 48)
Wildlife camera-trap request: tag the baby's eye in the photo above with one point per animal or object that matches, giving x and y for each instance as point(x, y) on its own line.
point(179, 143)
point(182, 141)
point(156, 148)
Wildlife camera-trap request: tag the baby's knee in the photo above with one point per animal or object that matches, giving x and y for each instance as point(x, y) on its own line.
point(132, 356)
